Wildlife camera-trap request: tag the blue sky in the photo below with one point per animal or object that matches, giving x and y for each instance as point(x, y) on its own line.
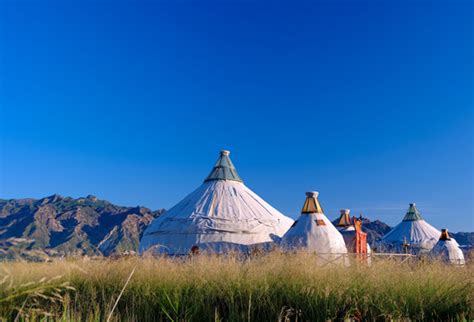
point(370, 103)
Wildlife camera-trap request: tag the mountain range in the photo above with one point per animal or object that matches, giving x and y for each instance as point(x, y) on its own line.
point(67, 226)
point(64, 226)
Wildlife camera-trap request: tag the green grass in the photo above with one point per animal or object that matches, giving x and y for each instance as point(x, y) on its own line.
point(266, 288)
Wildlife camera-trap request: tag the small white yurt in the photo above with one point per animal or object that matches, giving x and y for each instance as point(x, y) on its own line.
point(448, 249)
point(220, 215)
point(352, 234)
point(313, 231)
point(412, 235)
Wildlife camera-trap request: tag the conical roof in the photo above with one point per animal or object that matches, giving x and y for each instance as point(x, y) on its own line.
point(311, 204)
point(413, 230)
point(224, 169)
point(313, 231)
point(344, 218)
point(222, 214)
point(412, 213)
point(447, 249)
point(444, 235)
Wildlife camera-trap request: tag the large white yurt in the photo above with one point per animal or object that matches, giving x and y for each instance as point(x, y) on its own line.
point(413, 234)
point(313, 231)
point(447, 249)
point(220, 215)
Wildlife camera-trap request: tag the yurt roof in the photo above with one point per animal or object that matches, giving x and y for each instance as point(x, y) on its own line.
point(344, 218)
point(223, 169)
point(412, 213)
point(311, 204)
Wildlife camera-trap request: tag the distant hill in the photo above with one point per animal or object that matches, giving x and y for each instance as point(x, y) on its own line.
point(58, 226)
point(464, 239)
point(375, 230)
point(66, 226)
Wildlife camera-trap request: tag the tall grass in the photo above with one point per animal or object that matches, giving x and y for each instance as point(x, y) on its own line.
point(265, 288)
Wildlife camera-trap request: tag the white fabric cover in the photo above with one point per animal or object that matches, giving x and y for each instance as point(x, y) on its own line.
point(418, 233)
point(307, 234)
point(349, 234)
point(218, 216)
point(448, 251)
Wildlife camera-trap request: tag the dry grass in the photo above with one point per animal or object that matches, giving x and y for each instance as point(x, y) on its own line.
point(264, 288)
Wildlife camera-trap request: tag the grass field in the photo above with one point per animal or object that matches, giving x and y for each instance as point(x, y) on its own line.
point(204, 288)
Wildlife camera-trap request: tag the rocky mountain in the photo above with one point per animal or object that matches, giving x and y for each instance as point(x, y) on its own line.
point(67, 226)
point(375, 230)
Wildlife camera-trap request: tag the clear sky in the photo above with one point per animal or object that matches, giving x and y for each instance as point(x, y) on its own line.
point(370, 103)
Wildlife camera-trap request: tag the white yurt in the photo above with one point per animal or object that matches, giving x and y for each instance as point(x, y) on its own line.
point(448, 249)
point(313, 231)
point(413, 234)
point(346, 227)
point(220, 215)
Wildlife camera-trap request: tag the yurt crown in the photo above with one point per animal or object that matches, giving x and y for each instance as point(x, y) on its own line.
point(344, 219)
point(444, 235)
point(412, 213)
point(311, 204)
point(223, 169)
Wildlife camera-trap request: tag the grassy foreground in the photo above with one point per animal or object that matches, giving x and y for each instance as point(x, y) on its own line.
point(267, 288)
